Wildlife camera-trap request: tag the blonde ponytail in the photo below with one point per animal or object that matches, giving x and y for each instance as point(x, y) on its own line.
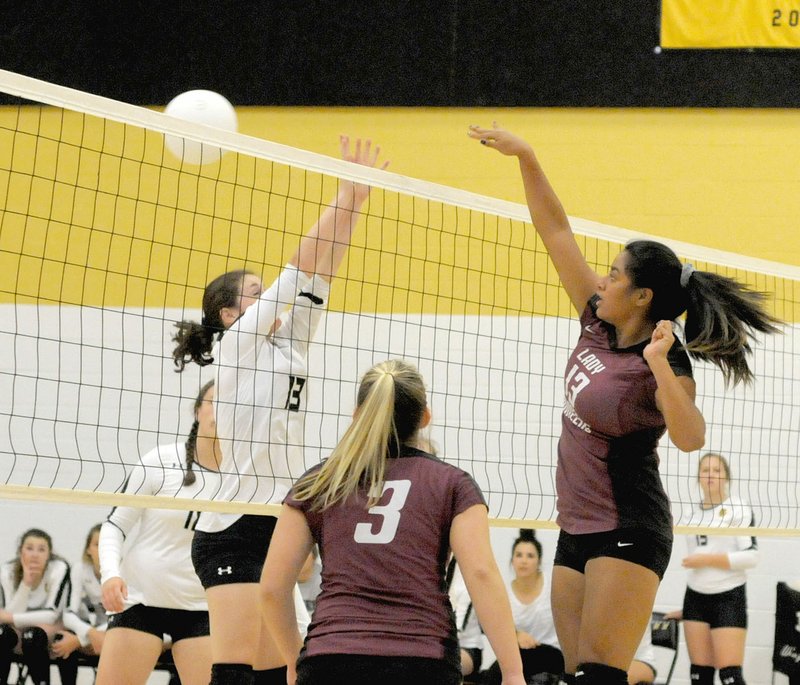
point(391, 403)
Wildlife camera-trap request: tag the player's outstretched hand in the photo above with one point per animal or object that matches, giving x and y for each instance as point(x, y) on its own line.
point(499, 139)
point(362, 152)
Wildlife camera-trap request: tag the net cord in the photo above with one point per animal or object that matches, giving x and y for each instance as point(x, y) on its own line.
point(79, 101)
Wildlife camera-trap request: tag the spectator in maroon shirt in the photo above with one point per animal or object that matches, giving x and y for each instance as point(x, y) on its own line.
point(627, 382)
point(385, 515)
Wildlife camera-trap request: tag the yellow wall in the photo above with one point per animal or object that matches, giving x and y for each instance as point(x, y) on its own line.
point(728, 179)
point(95, 213)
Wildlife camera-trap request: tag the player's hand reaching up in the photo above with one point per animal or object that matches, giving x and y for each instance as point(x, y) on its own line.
point(362, 153)
point(499, 139)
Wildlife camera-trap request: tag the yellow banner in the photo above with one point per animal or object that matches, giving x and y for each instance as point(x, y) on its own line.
point(730, 24)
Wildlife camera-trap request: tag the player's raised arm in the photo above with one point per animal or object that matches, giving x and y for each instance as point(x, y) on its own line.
point(322, 249)
point(547, 214)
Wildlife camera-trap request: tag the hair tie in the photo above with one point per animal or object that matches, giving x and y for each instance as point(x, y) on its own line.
point(686, 274)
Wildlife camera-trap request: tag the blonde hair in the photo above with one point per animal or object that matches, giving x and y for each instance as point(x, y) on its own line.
point(390, 406)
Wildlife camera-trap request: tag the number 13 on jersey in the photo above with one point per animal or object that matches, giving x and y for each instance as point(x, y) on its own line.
point(366, 533)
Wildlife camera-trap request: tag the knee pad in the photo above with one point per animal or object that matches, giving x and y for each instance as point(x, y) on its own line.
point(231, 674)
point(35, 651)
point(599, 674)
point(68, 669)
point(271, 676)
point(731, 675)
point(701, 675)
point(34, 642)
point(8, 638)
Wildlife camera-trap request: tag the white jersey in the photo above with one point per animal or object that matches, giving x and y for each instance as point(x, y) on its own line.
point(85, 609)
point(260, 394)
point(311, 587)
point(470, 635)
point(645, 651)
point(157, 565)
point(42, 605)
point(535, 618)
point(742, 550)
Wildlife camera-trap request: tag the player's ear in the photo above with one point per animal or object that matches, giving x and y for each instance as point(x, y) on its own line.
point(426, 417)
point(644, 297)
point(228, 315)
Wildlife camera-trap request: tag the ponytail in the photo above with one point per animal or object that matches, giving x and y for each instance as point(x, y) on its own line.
point(191, 441)
point(194, 341)
point(391, 404)
point(722, 315)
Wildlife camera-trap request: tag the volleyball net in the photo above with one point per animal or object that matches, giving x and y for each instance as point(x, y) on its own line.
point(107, 240)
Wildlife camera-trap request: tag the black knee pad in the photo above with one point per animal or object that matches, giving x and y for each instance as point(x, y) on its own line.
point(36, 654)
point(599, 674)
point(731, 675)
point(272, 676)
point(231, 674)
point(68, 669)
point(8, 638)
point(34, 641)
point(701, 675)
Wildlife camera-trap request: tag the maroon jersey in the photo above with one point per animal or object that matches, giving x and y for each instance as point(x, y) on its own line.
point(607, 475)
point(383, 591)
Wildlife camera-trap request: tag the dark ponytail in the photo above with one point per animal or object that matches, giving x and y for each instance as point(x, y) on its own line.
point(191, 441)
point(722, 315)
point(194, 341)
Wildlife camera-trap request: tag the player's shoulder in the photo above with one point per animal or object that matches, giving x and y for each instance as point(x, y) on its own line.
point(58, 567)
point(741, 507)
point(429, 461)
point(165, 455)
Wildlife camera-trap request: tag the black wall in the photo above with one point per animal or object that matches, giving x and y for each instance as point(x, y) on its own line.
point(581, 53)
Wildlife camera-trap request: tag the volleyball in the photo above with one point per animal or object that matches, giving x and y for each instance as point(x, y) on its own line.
point(201, 107)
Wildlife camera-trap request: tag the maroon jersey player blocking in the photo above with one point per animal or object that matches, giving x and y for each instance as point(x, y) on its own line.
point(607, 476)
point(627, 382)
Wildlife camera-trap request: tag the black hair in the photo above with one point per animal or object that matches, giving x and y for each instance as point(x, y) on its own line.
point(722, 315)
point(193, 341)
point(191, 440)
point(527, 535)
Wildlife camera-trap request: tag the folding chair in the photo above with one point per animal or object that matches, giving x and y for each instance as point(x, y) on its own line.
point(665, 634)
point(786, 649)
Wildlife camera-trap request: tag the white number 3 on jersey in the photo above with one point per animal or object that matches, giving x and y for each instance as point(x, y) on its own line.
point(390, 513)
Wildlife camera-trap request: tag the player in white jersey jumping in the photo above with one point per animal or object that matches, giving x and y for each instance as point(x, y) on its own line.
point(715, 605)
point(261, 394)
